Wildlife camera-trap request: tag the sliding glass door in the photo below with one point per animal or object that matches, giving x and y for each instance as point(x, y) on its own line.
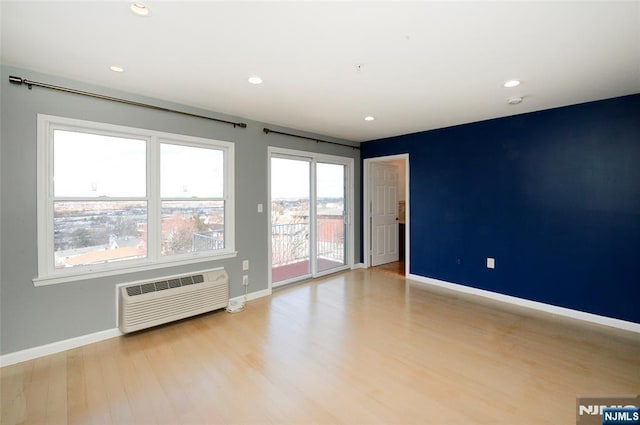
point(290, 219)
point(309, 216)
point(330, 216)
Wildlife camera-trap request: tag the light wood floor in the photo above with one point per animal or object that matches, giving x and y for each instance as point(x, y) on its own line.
point(363, 347)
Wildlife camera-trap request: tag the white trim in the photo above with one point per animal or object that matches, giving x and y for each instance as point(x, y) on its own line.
point(351, 250)
point(269, 225)
point(358, 266)
point(251, 296)
point(309, 155)
point(535, 305)
point(332, 271)
point(68, 344)
point(144, 267)
point(57, 347)
point(366, 231)
point(291, 280)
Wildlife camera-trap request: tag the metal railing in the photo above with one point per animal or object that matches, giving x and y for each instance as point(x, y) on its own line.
point(330, 237)
point(290, 242)
point(207, 241)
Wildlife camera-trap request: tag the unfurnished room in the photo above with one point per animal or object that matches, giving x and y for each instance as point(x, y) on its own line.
point(319, 212)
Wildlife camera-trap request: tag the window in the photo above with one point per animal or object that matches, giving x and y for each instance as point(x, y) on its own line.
point(116, 199)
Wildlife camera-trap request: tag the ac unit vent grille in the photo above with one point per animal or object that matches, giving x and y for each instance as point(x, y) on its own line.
point(134, 290)
point(148, 287)
point(145, 288)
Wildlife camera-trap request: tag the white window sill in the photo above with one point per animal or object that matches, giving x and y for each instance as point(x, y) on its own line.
point(94, 274)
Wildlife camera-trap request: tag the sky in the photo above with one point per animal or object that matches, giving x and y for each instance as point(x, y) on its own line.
point(290, 179)
point(92, 165)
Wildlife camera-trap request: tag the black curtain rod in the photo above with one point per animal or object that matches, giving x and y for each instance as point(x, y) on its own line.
point(268, 130)
point(20, 81)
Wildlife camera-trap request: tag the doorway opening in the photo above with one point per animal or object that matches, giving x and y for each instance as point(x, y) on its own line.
point(386, 213)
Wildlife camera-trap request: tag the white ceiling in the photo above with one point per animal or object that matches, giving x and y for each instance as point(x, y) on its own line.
point(425, 65)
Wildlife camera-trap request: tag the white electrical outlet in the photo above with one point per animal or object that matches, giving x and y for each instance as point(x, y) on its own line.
point(245, 280)
point(259, 208)
point(491, 263)
point(245, 265)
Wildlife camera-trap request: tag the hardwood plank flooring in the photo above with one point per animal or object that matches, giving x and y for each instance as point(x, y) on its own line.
point(361, 347)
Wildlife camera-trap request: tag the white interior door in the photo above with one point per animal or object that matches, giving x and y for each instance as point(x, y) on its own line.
point(384, 214)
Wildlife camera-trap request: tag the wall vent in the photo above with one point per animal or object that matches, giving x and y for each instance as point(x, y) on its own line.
point(151, 303)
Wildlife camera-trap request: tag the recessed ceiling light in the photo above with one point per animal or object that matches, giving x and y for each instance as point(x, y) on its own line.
point(254, 79)
point(116, 68)
point(514, 100)
point(511, 83)
point(369, 118)
point(139, 8)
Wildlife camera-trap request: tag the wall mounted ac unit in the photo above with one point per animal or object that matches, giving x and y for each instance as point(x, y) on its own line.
point(158, 301)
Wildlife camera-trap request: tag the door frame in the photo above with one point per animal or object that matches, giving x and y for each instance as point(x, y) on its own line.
point(367, 184)
point(315, 157)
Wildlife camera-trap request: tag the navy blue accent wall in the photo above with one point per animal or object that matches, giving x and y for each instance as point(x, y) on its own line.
point(554, 196)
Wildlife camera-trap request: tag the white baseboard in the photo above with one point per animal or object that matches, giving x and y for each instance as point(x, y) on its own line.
point(358, 266)
point(57, 347)
point(68, 344)
point(548, 308)
point(252, 296)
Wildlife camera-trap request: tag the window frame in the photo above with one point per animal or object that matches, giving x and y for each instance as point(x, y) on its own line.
point(48, 274)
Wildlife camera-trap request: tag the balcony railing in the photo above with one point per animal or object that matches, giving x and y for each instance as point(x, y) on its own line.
point(207, 241)
point(290, 242)
point(330, 237)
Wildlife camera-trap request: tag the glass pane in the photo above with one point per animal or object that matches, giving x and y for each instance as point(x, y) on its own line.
point(290, 249)
point(97, 232)
point(190, 172)
point(330, 244)
point(91, 165)
point(192, 226)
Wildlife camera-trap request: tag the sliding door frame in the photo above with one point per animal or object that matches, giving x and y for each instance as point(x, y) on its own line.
point(314, 158)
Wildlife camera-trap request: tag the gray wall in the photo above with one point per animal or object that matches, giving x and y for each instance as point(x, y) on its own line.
point(32, 316)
